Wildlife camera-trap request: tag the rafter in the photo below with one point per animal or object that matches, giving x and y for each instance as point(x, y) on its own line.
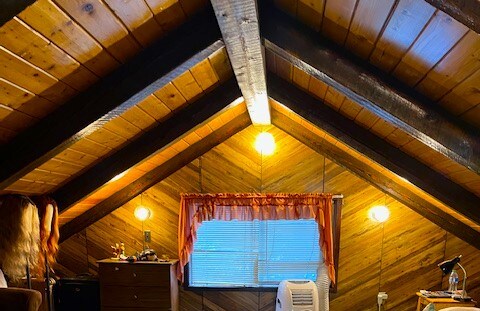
point(367, 143)
point(10, 8)
point(466, 12)
point(125, 87)
point(155, 176)
point(150, 142)
point(372, 90)
point(367, 173)
point(238, 21)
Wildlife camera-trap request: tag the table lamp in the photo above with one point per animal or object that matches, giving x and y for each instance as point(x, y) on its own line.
point(447, 267)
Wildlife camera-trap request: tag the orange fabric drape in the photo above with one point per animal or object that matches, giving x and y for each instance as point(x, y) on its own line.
point(196, 208)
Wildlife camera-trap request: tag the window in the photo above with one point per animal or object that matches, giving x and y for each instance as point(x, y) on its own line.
point(237, 254)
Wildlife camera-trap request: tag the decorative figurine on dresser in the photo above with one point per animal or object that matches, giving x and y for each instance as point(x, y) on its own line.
point(138, 285)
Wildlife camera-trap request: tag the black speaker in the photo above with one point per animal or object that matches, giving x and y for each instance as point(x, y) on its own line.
point(77, 294)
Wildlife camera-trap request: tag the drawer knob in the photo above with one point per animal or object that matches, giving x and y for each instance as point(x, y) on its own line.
point(117, 268)
point(135, 296)
point(134, 275)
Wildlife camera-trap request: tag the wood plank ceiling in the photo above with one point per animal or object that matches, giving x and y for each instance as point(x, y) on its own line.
point(93, 89)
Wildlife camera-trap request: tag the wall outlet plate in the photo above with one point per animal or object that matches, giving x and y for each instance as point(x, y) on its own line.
point(147, 235)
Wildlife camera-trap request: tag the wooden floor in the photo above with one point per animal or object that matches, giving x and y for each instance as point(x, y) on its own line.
point(399, 257)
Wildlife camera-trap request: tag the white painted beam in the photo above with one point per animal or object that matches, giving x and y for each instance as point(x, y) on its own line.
point(238, 21)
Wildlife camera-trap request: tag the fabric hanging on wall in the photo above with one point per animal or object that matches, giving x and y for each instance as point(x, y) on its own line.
point(196, 208)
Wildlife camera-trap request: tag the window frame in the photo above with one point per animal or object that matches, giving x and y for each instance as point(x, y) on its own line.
point(336, 225)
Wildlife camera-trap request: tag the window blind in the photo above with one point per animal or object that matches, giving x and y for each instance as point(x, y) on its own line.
point(254, 253)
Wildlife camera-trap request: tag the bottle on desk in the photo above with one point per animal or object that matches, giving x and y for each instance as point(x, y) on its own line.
point(453, 281)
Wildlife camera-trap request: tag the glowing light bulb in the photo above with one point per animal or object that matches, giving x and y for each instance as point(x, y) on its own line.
point(379, 213)
point(142, 213)
point(265, 143)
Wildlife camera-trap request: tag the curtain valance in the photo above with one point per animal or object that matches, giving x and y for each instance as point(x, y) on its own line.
point(196, 208)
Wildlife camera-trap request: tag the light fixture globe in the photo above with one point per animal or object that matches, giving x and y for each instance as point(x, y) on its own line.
point(379, 213)
point(142, 213)
point(265, 143)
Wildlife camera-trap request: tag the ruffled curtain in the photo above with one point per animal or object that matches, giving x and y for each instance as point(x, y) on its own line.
point(196, 208)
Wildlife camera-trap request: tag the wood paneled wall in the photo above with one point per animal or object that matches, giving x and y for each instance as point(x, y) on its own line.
point(399, 257)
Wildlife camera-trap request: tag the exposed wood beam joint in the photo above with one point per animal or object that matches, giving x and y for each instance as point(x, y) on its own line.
point(238, 21)
point(153, 177)
point(466, 12)
point(157, 138)
point(10, 8)
point(367, 173)
point(125, 87)
point(367, 86)
point(372, 146)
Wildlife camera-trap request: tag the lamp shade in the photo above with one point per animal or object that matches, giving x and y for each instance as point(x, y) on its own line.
point(447, 265)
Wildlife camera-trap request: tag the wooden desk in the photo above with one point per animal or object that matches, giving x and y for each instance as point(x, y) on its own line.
point(441, 302)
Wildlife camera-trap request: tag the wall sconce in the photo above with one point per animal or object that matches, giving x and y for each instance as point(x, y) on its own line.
point(379, 213)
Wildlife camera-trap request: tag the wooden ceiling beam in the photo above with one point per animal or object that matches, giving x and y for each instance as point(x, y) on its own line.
point(367, 173)
point(466, 12)
point(154, 176)
point(157, 138)
point(10, 8)
point(372, 146)
point(371, 89)
point(110, 97)
point(238, 21)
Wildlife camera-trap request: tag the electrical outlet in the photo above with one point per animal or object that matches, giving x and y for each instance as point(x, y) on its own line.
point(147, 235)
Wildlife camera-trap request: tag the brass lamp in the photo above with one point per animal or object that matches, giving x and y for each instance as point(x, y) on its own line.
point(447, 267)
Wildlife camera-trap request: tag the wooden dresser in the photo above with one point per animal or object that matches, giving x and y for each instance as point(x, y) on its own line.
point(139, 286)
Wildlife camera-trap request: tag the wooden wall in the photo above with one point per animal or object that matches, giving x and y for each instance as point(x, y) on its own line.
point(398, 257)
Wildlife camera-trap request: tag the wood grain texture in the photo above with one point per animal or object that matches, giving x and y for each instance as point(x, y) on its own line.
point(466, 12)
point(150, 142)
point(130, 84)
point(373, 147)
point(398, 257)
point(401, 107)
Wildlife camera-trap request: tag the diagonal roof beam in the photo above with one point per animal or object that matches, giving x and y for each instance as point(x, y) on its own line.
point(125, 87)
point(377, 179)
point(157, 138)
point(153, 177)
point(366, 86)
point(238, 21)
point(466, 12)
point(372, 146)
point(10, 8)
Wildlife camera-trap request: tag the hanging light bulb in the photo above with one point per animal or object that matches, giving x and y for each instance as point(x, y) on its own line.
point(142, 213)
point(379, 213)
point(265, 143)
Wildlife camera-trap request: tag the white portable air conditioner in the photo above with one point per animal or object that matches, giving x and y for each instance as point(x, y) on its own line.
point(297, 295)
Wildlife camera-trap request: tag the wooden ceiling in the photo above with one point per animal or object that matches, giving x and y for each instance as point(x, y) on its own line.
point(93, 89)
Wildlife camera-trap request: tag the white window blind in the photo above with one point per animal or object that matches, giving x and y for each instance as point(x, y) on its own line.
point(254, 253)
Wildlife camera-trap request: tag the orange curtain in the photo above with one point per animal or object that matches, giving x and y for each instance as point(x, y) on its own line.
point(196, 208)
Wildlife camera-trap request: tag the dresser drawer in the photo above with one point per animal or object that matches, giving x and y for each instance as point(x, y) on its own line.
point(134, 274)
point(135, 297)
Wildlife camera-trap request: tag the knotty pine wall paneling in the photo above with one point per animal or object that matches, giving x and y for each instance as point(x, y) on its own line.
point(398, 257)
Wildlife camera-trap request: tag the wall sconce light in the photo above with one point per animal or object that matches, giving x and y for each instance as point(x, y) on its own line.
point(265, 143)
point(379, 213)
